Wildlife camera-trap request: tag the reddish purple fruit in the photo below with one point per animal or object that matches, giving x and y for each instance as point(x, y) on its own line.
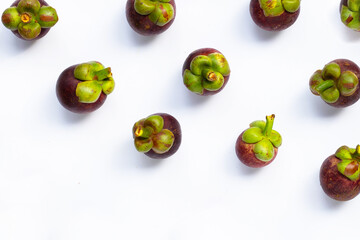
point(337, 83)
point(274, 15)
point(150, 17)
point(157, 136)
point(206, 71)
point(83, 88)
point(339, 174)
point(258, 145)
point(29, 19)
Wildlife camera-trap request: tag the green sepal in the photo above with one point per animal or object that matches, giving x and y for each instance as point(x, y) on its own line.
point(350, 18)
point(330, 95)
point(354, 5)
point(347, 83)
point(136, 125)
point(291, 5)
point(11, 18)
point(259, 123)
point(156, 122)
point(163, 141)
point(331, 71)
point(199, 63)
point(344, 153)
point(162, 14)
point(32, 6)
point(344, 164)
point(108, 85)
point(88, 91)
point(164, 1)
point(144, 7)
point(214, 85)
point(315, 80)
point(143, 144)
point(193, 82)
point(275, 138)
point(47, 17)
point(219, 63)
point(29, 30)
point(264, 150)
point(86, 71)
point(253, 135)
point(271, 8)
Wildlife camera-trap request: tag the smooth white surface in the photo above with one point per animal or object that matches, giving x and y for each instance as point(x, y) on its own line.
point(68, 177)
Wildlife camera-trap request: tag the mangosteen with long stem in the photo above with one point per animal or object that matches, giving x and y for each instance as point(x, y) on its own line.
point(206, 71)
point(258, 145)
point(29, 19)
point(150, 17)
point(340, 174)
point(274, 15)
point(84, 87)
point(337, 83)
point(350, 13)
point(157, 136)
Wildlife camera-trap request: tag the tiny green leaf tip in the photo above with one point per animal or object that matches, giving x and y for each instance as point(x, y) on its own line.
point(28, 17)
point(206, 72)
point(264, 137)
point(349, 164)
point(95, 79)
point(160, 12)
point(149, 133)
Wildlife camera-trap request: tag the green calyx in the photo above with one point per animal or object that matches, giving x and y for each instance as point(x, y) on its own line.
point(350, 14)
point(149, 133)
point(206, 72)
point(28, 17)
point(95, 80)
point(160, 12)
point(264, 137)
point(330, 83)
point(273, 8)
point(350, 159)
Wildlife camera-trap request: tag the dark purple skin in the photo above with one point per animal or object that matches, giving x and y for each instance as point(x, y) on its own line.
point(66, 93)
point(142, 24)
point(204, 51)
point(43, 32)
point(245, 153)
point(173, 125)
point(347, 65)
point(277, 23)
point(336, 185)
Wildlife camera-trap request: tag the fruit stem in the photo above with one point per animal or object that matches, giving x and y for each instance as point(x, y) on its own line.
point(103, 74)
point(210, 75)
point(356, 154)
point(269, 125)
point(325, 85)
point(143, 132)
point(25, 18)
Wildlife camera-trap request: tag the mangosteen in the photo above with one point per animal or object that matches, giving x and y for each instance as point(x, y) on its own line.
point(150, 17)
point(337, 83)
point(157, 136)
point(29, 19)
point(206, 71)
point(258, 145)
point(340, 174)
point(350, 14)
point(83, 88)
point(274, 15)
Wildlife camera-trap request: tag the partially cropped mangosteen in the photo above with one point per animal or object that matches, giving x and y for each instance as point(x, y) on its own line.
point(206, 71)
point(29, 19)
point(83, 88)
point(350, 13)
point(274, 15)
point(340, 173)
point(150, 17)
point(337, 83)
point(157, 136)
point(258, 145)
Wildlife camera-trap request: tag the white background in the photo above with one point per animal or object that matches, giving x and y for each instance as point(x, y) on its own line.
point(68, 177)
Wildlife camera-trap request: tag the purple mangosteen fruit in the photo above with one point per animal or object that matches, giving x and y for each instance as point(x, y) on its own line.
point(29, 19)
point(340, 174)
point(150, 17)
point(157, 136)
point(350, 14)
point(258, 145)
point(206, 71)
point(337, 83)
point(83, 88)
point(274, 15)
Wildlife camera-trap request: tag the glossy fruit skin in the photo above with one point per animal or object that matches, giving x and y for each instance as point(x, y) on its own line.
point(173, 125)
point(277, 23)
point(142, 24)
point(204, 51)
point(43, 32)
point(336, 185)
point(245, 153)
point(66, 93)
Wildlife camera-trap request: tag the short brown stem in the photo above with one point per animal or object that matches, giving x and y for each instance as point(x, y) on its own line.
point(25, 18)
